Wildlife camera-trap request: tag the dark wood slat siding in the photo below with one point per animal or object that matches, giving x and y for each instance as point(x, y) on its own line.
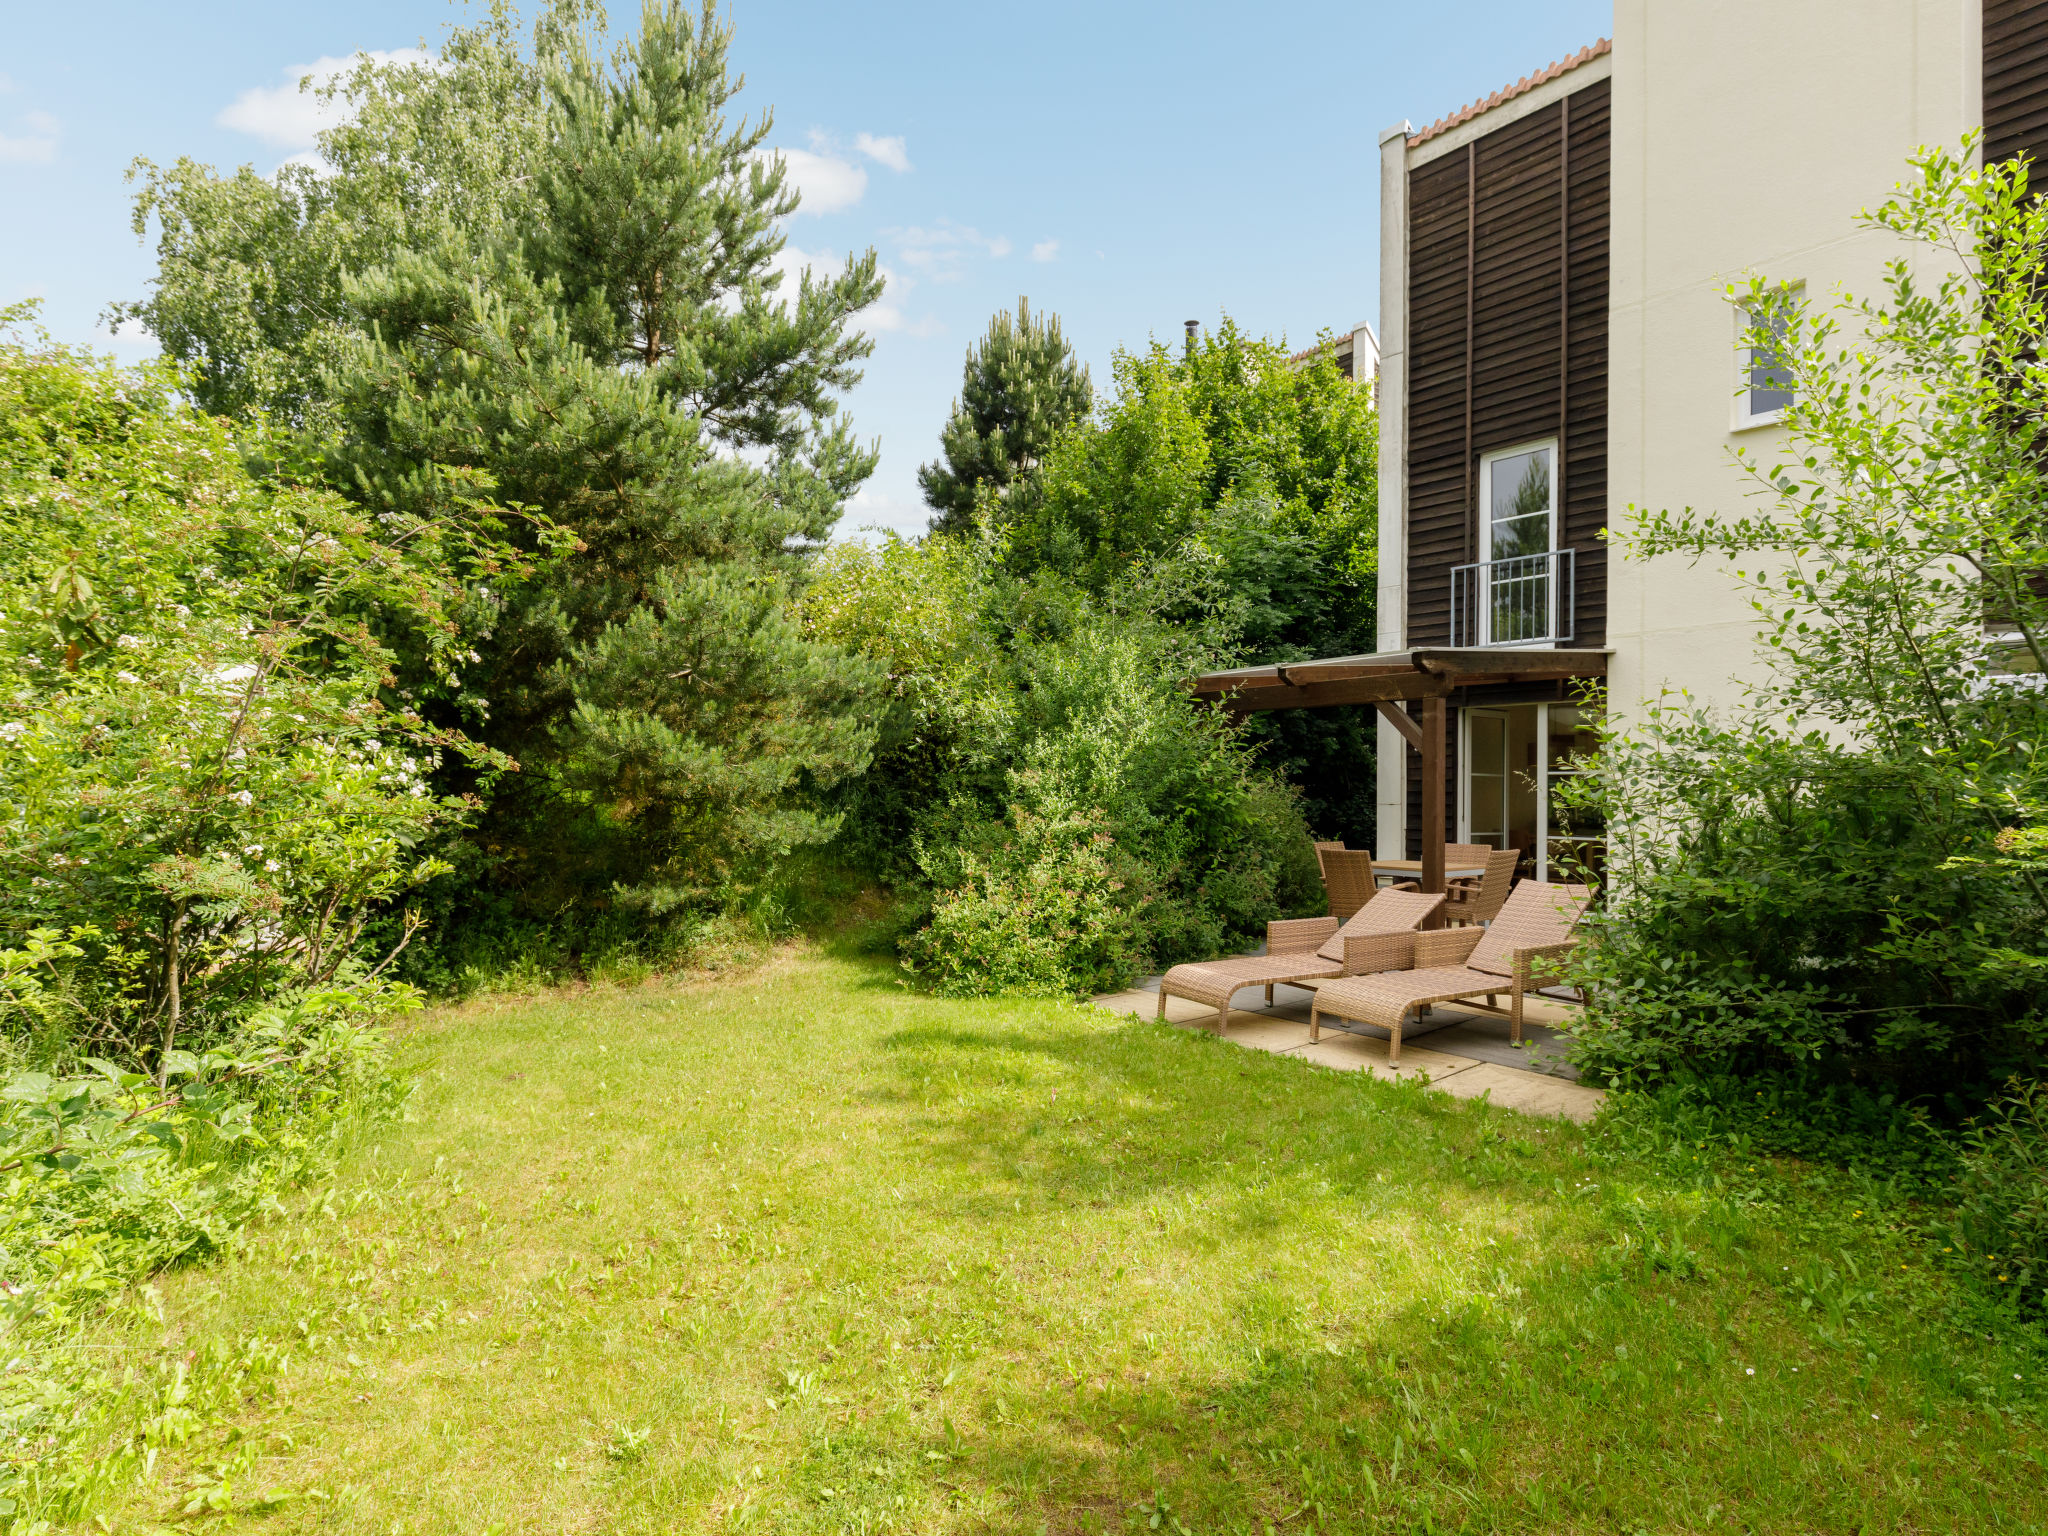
point(1585, 383)
point(1437, 244)
point(2016, 79)
point(1508, 347)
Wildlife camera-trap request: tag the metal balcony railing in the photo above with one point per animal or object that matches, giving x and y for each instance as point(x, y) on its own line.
point(1526, 600)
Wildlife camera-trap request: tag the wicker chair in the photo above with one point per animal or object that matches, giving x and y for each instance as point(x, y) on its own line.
point(1349, 879)
point(1479, 901)
point(1379, 936)
point(1513, 955)
point(1323, 848)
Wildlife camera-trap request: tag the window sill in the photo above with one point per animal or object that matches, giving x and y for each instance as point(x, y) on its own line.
point(1756, 423)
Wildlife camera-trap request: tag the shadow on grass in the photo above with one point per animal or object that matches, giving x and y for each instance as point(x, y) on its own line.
point(1140, 1112)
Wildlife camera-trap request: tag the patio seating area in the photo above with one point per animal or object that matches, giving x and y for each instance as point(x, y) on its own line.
point(1345, 997)
point(1461, 1050)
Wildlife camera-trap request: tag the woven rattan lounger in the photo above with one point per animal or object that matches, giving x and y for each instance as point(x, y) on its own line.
point(1515, 955)
point(1380, 935)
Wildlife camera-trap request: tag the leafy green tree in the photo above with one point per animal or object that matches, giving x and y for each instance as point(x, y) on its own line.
point(1228, 490)
point(1050, 801)
point(1021, 386)
point(202, 775)
point(1847, 876)
point(602, 346)
point(249, 295)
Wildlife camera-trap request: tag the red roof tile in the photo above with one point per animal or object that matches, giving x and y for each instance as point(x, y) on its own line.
point(1508, 93)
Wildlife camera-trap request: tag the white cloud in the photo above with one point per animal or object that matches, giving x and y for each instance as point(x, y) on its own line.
point(36, 147)
point(883, 316)
point(939, 251)
point(1045, 250)
point(130, 346)
point(827, 182)
point(891, 152)
point(877, 509)
point(292, 115)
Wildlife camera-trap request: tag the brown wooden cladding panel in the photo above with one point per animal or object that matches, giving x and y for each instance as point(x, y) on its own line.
point(2016, 80)
point(1439, 241)
point(1507, 337)
point(1584, 507)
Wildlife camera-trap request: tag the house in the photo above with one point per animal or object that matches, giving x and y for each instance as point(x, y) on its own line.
point(1557, 346)
point(1357, 354)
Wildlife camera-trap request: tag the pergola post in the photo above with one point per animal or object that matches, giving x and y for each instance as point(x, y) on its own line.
point(1433, 793)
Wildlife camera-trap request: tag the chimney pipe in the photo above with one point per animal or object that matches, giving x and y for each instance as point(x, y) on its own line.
point(1193, 326)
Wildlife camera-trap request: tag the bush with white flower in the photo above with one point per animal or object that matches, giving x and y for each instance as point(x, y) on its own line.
point(205, 775)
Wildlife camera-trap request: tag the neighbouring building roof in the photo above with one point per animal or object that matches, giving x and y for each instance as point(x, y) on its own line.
point(1509, 92)
point(1342, 348)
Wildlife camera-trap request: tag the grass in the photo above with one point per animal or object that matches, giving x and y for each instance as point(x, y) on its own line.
point(805, 1251)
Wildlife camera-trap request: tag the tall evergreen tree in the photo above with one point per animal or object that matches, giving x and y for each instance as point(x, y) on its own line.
point(610, 348)
point(1020, 386)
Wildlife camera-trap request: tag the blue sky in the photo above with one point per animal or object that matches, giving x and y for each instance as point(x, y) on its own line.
point(1128, 166)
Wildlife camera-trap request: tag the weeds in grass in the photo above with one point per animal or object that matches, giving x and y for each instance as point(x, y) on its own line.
point(804, 1252)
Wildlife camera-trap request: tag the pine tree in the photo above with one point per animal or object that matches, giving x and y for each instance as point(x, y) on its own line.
point(1020, 386)
point(603, 341)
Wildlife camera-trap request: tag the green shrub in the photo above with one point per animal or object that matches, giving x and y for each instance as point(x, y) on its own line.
point(1045, 913)
point(1024, 712)
point(1847, 870)
point(109, 1177)
point(207, 781)
point(2000, 1223)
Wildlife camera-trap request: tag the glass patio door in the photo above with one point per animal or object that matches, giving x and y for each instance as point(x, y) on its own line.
point(1484, 804)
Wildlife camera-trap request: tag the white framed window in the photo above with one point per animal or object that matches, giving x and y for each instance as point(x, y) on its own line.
point(1763, 386)
point(1517, 600)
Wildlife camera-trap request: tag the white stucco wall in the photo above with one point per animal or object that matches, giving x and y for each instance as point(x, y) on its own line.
point(1747, 135)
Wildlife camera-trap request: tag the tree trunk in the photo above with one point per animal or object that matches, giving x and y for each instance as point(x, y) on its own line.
point(172, 962)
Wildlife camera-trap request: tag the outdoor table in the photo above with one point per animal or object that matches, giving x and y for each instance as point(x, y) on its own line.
point(1384, 870)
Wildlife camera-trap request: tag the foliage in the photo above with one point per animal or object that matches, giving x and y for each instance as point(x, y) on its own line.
point(1000, 1264)
point(1848, 872)
point(249, 295)
point(2000, 1199)
point(205, 788)
point(611, 345)
point(1023, 712)
point(1020, 387)
point(1042, 914)
point(1232, 491)
point(110, 1177)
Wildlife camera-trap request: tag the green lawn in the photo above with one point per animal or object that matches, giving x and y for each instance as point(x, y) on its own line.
point(806, 1251)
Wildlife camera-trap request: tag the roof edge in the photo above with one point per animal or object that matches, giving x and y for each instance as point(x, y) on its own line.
point(1508, 93)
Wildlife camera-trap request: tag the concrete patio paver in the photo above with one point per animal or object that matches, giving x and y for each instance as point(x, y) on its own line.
point(1362, 1053)
point(1492, 1069)
point(1530, 1092)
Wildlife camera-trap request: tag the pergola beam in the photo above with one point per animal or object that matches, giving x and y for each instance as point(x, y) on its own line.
point(1401, 721)
point(1390, 676)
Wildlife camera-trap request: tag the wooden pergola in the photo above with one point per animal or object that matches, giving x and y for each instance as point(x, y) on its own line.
point(1387, 679)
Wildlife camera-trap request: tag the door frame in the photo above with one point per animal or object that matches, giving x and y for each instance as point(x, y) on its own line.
point(1465, 718)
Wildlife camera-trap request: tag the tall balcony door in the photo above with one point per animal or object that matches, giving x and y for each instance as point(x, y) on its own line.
point(1512, 762)
point(1518, 578)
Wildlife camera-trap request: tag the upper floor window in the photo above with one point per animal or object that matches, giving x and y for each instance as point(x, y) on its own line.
point(1764, 383)
point(1518, 501)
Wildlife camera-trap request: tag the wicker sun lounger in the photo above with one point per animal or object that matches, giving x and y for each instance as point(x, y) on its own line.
point(1380, 935)
point(1458, 964)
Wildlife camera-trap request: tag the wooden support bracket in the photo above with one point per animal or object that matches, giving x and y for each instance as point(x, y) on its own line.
point(1402, 721)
